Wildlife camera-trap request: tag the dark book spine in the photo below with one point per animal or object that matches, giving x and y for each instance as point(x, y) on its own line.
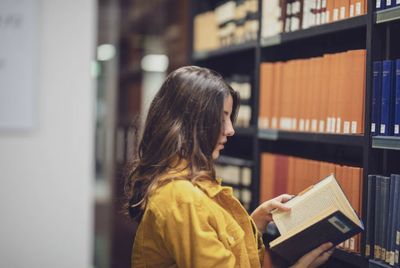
point(370, 216)
point(389, 229)
point(385, 188)
point(397, 100)
point(377, 243)
point(393, 224)
point(376, 97)
point(397, 224)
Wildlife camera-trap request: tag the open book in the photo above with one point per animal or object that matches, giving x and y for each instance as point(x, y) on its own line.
point(319, 214)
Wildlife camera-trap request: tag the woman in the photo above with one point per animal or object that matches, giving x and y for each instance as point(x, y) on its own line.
point(187, 219)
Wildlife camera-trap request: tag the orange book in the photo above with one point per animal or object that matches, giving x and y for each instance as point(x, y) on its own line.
point(270, 93)
point(284, 96)
point(357, 125)
point(262, 99)
point(266, 87)
point(301, 100)
point(341, 91)
point(336, 10)
point(347, 101)
point(281, 175)
point(276, 112)
point(344, 9)
point(329, 11)
point(267, 177)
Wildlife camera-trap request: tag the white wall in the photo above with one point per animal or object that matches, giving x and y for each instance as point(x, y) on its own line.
point(46, 175)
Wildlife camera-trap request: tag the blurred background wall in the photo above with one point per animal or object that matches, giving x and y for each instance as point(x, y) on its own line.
point(46, 171)
point(95, 66)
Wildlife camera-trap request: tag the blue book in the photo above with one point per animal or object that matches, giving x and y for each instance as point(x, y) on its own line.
point(386, 128)
point(397, 100)
point(390, 3)
point(376, 97)
point(380, 4)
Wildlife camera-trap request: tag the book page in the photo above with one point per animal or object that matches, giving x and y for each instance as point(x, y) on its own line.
point(327, 193)
point(302, 211)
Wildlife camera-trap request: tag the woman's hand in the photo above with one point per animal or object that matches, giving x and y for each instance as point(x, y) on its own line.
point(262, 214)
point(315, 257)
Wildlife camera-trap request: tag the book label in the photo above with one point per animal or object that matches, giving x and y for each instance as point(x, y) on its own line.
point(373, 127)
point(342, 13)
point(388, 3)
point(338, 124)
point(378, 4)
point(358, 9)
point(396, 129)
point(367, 251)
point(321, 125)
point(335, 14)
point(383, 129)
point(351, 10)
point(314, 125)
point(346, 127)
point(354, 127)
point(340, 225)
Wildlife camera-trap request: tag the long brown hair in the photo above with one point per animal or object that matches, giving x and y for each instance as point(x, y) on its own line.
point(183, 123)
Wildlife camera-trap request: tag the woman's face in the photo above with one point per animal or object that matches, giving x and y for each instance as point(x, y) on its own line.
point(227, 127)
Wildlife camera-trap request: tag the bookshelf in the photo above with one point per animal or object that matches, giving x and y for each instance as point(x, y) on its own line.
point(386, 142)
point(387, 15)
point(325, 29)
point(377, 33)
point(336, 139)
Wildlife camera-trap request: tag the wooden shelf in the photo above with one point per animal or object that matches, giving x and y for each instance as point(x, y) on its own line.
point(329, 28)
point(225, 51)
point(386, 15)
point(339, 139)
point(227, 160)
point(386, 142)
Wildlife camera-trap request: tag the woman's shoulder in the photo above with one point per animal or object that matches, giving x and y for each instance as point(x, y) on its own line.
point(176, 193)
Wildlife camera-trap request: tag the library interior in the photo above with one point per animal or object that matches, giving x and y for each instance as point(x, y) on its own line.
point(319, 87)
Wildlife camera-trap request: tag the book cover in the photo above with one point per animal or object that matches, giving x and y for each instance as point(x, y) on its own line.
point(386, 98)
point(376, 97)
point(320, 214)
point(385, 188)
point(378, 216)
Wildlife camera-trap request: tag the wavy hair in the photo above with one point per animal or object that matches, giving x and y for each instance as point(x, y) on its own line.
point(183, 123)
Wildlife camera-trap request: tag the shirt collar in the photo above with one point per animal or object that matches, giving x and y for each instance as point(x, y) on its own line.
point(213, 187)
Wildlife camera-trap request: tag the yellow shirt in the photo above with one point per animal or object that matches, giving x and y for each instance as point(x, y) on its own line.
point(196, 225)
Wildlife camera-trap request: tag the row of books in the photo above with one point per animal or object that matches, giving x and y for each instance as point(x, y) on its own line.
point(242, 84)
point(323, 94)
point(383, 219)
point(231, 22)
point(239, 178)
point(385, 115)
point(385, 4)
point(283, 174)
point(292, 15)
